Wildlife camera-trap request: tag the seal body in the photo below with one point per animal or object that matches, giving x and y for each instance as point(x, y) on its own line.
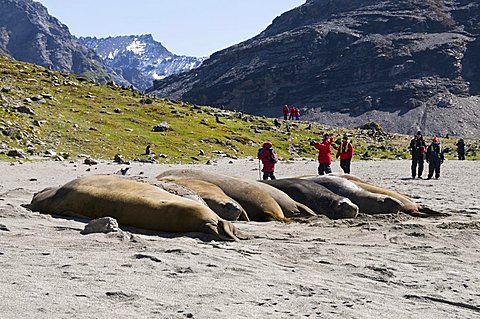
point(258, 204)
point(131, 203)
point(319, 198)
point(367, 202)
point(408, 206)
point(225, 206)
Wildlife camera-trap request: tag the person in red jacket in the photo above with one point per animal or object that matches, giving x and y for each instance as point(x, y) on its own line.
point(286, 111)
point(324, 154)
point(345, 152)
point(269, 158)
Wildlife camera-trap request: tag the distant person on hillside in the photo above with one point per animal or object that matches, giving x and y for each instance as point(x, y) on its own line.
point(297, 114)
point(435, 158)
point(269, 158)
point(286, 111)
point(461, 149)
point(324, 154)
point(417, 148)
point(345, 152)
point(292, 113)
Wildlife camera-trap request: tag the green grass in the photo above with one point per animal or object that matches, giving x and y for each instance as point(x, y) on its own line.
point(101, 121)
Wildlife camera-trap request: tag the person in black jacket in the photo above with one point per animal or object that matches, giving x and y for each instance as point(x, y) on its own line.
point(417, 149)
point(461, 149)
point(435, 158)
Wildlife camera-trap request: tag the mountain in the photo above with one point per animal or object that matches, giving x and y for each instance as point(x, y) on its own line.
point(28, 33)
point(140, 59)
point(406, 64)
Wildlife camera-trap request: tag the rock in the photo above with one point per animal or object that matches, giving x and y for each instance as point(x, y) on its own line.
point(15, 153)
point(101, 225)
point(25, 109)
point(89, 161)
point(120, 159)
point(117, 110)
point(162, 127)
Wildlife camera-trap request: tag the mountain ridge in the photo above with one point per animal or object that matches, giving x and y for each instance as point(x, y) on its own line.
point(139, 58)
point(405, 64)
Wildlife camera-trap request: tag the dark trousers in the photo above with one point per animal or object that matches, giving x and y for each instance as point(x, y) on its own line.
point(324, 169)
point(461, 156)
point(266, 175)
point(434, 167)
point(285, 117)
point(345, 165)
point(417, 162)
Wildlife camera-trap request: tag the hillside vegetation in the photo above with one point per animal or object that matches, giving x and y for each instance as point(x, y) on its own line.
point(47, 114)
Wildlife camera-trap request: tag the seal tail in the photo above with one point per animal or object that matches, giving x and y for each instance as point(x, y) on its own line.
point(304, 210)
point(426, 212)
point(225, 230)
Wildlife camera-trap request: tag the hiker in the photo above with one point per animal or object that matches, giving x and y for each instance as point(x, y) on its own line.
point(435, 158)
point(277, 123)
point(286, 111)
point(269, 158)
point(461, 149)
point(324, 154)
point(345, 152)
point(417, 149)
point(292, 112)
point(297, 114)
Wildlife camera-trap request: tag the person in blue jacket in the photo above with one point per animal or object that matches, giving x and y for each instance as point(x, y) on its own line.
point(435, 158)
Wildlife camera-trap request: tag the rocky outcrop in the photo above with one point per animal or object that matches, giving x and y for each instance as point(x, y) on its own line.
point(139, 58)
point(402, 63)
point(28, 33)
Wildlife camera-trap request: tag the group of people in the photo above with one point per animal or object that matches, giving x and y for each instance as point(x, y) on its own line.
point(290, 112)
point(345, 151)
point(433, 154)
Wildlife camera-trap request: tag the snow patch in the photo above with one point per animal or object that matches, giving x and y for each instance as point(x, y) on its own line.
point(136, 47)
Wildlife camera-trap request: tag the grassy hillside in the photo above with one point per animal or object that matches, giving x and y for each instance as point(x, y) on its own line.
point(74, 116)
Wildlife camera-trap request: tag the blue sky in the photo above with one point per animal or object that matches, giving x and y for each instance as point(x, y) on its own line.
point(188, 27)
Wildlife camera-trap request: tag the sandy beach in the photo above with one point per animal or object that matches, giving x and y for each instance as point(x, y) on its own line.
point(382, 266)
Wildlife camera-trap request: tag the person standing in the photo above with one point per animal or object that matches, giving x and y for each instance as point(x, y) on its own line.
point(461, 149)
point(286, 111)
point(292, 112)
point(345, 152)
point(417, 148)
point(297, 114)
point(324, 154)
point(435, 158)
point(269, 158)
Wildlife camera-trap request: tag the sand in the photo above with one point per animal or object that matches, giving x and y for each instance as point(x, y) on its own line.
point(384, 266)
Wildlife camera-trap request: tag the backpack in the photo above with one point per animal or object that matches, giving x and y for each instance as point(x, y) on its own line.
point(272, 153)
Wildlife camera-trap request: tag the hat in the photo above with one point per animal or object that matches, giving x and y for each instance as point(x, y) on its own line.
point(419, 133)
point(267, 144)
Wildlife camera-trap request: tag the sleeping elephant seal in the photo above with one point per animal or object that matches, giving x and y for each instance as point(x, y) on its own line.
point(408, 206)
point(367, 202)
point(225, 206)
point(133, 204)
point(258, 204)
point(290, 206)
point(317, 197)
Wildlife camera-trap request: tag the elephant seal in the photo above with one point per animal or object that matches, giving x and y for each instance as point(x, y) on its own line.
point(367, 202)
point(225, 206)
point(258, 204)
point(408, 206)
point(133, 204)
point(290, 207)
point(317, 197)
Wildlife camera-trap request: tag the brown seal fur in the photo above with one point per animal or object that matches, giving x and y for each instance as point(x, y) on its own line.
point(133, 204)
point(408, 206)
point(258, 204)
point(317, 197)
point(367, 202)
point(225, 206)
